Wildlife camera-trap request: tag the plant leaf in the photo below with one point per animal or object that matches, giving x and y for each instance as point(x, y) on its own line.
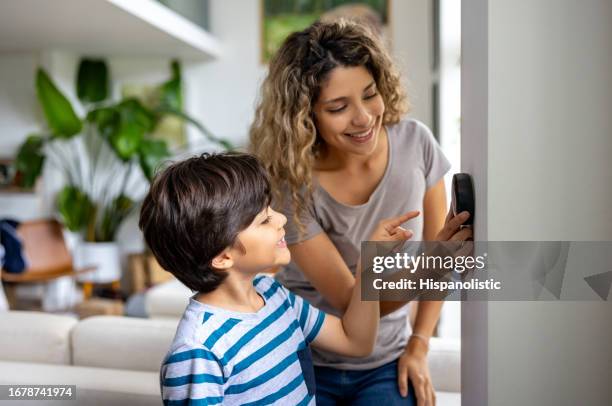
point(171, 91)
point(60, 116)
point(226, 144)
point(124, 125)
point(29, 161)
point(151, 153)
point(75, 208)
point(105, 118)
point(114, 214)
point(132, 110)
point(92, 80)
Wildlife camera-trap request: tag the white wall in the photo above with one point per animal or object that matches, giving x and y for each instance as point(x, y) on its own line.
point(549, 177)
point(223, 92)
point(412, 44)
point(19, 114)
point(18, 106)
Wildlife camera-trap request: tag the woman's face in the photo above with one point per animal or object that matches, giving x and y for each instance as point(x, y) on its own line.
point(349, 111)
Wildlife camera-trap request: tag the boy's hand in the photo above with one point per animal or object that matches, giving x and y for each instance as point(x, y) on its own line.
point(391, 229)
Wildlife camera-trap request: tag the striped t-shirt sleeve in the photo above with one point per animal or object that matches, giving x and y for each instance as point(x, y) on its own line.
point(193, 375)
point(310, 318)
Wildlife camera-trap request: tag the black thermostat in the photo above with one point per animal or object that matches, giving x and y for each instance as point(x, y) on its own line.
point(463, 196)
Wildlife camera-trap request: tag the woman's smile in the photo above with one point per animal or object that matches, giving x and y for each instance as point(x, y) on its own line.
point(361, 137)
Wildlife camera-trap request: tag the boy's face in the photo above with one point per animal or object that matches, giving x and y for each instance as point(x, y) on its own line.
point(263, 242)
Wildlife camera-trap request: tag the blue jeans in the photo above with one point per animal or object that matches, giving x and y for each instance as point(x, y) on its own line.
point(369, 387)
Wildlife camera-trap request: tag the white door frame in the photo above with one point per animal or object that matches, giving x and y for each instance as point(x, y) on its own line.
point(474, 160)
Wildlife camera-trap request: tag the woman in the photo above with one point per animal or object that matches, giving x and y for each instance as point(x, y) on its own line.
point(329, 130)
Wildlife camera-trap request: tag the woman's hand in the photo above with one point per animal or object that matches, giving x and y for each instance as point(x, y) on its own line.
point(391, 230)
point(413, 366)
point(452, 230)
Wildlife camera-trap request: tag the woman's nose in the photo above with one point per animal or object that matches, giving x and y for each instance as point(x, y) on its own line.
point(362, 116)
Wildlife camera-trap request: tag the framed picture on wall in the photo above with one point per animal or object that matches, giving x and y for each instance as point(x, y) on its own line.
point(282, 17)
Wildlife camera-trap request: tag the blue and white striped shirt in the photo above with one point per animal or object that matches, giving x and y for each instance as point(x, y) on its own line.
point(232, 358)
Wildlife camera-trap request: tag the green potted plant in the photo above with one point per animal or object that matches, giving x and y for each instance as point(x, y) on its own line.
point(106, 158)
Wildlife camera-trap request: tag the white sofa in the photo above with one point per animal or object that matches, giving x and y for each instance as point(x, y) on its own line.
point(111, 360)
point(167, 301)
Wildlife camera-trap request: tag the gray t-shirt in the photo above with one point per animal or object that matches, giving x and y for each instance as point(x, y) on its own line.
point(415, 163)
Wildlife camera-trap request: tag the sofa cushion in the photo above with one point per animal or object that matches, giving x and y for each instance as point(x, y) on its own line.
point(102, 386)
point(448, 398)
point(35, 337)
point(122, 342)
point(445, 364)
point(94, 386)
point(167, 300)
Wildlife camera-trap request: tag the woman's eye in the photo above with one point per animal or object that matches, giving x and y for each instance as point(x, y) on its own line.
point(337, 110)
point(369, 96)
point(267, 220)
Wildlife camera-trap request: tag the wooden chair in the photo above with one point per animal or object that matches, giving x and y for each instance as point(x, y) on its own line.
point(46, 254)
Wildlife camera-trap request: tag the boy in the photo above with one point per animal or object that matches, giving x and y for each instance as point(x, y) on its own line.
point(243, 337)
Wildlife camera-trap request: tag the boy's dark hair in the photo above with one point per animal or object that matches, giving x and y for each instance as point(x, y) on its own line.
point(196, 208)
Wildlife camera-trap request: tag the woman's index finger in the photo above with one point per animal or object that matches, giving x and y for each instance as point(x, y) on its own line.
point(399, 220)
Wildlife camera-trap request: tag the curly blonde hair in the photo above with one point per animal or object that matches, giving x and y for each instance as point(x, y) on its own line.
point(284, 135)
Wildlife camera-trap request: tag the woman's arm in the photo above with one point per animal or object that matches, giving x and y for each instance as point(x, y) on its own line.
point(322, 264)
point(354, 334)
point(413, 362)
point(434, 212)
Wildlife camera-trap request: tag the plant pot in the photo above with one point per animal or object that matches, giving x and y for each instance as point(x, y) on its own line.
point(72, 240)
point(102, 255)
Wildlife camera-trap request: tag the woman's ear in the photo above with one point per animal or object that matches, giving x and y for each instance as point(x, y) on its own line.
point(223, 261)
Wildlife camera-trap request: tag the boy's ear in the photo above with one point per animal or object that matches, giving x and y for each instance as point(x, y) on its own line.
point(223, 261)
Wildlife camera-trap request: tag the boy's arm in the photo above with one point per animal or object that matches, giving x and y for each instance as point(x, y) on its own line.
point(192, 374)
point(355, 333)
